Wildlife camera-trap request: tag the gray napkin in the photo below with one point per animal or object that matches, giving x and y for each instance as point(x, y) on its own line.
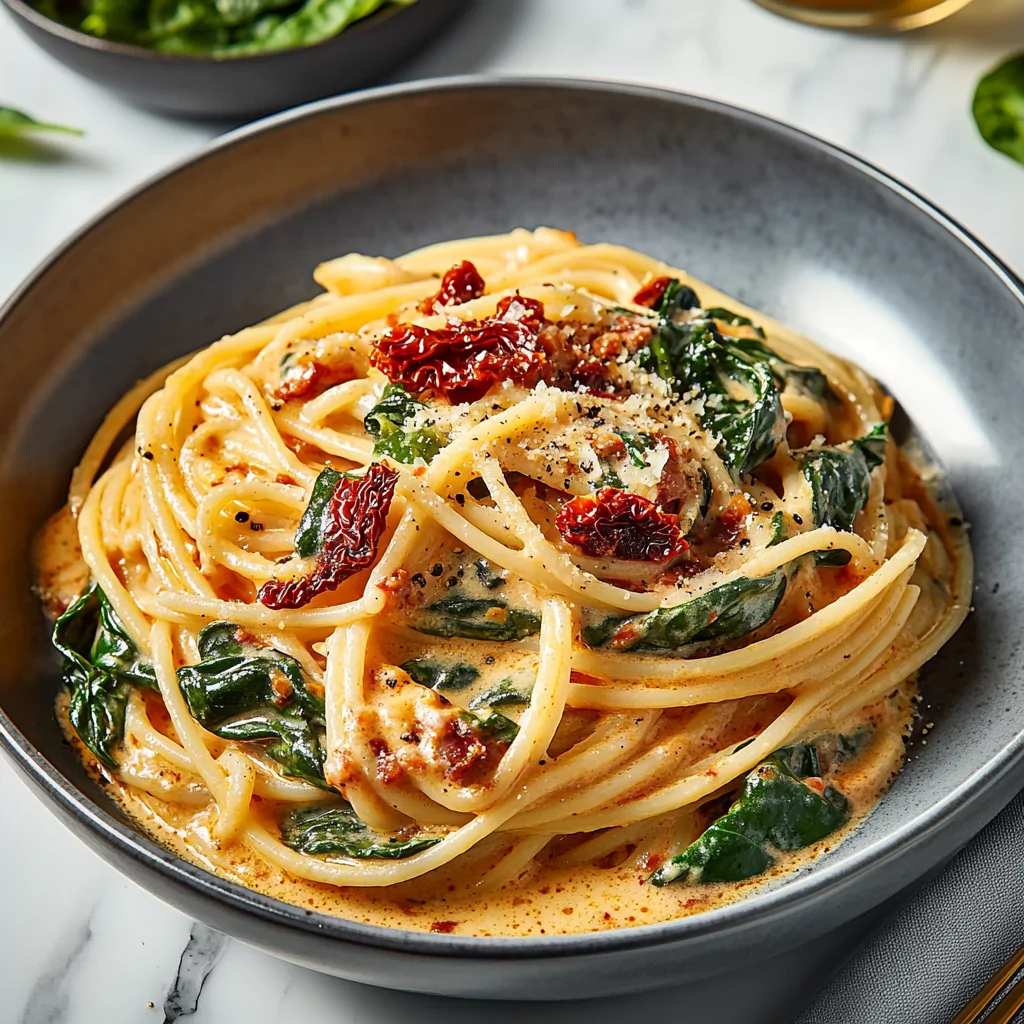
point(930, 959)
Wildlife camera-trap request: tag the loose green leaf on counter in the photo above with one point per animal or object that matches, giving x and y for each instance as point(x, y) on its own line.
point(386, 422)
point(244, 690)
point(101, 664)
point(15, 122)
point(477, 619)
point(775, 811)
point(998, 108)
point(335, 828)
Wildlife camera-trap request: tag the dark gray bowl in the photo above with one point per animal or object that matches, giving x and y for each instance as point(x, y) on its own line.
point(779, 219)
point(197, 86)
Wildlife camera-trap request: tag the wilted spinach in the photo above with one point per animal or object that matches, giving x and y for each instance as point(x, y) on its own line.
point(492, 726)
point(998, 108)
point(386, 422)
point(840, 477)
point(242, 690)
point(694, 353)
point(499, 695)
point(474, 618)
point(101, 665)
point(437, 675)
point(335, 828)
point(774, 812)
point(726, 612)
point(636, 444)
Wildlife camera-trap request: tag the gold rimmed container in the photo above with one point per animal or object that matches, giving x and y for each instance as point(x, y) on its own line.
point(869, 15)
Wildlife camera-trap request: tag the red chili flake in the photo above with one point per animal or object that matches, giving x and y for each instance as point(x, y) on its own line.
point(355, 520)
point(651, 293)
point(444, 927)
point(460, 283)
point(461, 360)
point(616, 524)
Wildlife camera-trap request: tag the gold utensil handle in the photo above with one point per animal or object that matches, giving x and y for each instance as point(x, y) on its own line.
point(989, 994)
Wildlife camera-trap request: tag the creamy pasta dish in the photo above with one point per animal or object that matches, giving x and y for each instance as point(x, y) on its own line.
point(514, 586)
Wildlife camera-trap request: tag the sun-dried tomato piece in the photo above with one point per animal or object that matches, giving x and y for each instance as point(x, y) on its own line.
point(460, 283)
point(460, 749)
point(651, 293)
point(463, 359)
point(617, 524)
point(354, 520)
point(309, 378)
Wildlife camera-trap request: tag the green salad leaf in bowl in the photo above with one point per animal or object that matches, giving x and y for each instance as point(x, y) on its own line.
point(215, 28)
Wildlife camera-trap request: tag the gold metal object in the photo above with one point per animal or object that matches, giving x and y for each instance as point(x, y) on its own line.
point(896, 15)
point(989, 995)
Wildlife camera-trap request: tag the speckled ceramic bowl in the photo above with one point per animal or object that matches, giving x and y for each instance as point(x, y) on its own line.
point(787, 223)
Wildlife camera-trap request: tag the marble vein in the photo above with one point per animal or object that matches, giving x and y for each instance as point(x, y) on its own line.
point(49, 999)
point(204, 948)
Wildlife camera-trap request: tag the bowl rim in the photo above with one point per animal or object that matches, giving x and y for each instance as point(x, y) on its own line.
point(24, 10)
point(771, 902)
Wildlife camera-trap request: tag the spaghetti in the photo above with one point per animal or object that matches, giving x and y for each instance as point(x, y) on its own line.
point(510, 566)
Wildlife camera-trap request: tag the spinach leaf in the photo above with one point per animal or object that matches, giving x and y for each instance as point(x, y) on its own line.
point(998, 108)
point(808, 380)
point(695, 354)
point(313, 22)
point(608, 477)
point(243, 690)
point(840, 478)
point(636, 445)
point(872, 445)
point(727, 612)
point(477, 619)
point(778, 529)
point(14, 122)
point(386, 422)
point(499, 695)
point(438, 675)
point(309, 537)
point(101, 664)
point(221, 28)
point(335, 828)
point(731, 319)
point(492, 726)
point(676, 298)
point(750, 429)
point(774, 811)
point(240, 12)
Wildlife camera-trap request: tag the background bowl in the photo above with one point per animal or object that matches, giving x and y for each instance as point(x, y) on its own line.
point(782, 221)
point(242, 87)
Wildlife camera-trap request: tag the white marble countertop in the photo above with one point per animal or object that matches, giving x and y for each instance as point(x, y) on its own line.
point(80, 944)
